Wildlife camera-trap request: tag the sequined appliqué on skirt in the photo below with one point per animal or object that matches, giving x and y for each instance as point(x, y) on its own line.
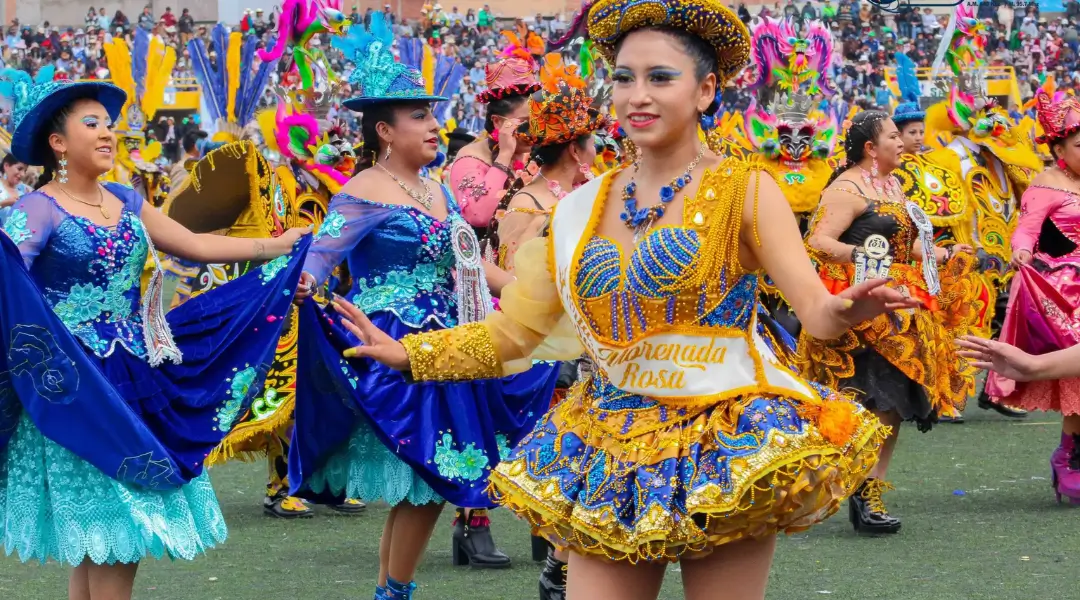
point(637, 479)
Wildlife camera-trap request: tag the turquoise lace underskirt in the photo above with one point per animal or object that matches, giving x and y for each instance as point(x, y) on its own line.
point(366, 469)
point(54, 505)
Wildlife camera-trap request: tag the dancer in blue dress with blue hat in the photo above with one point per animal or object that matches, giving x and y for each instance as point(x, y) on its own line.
point(108, 405)
point(363, 430)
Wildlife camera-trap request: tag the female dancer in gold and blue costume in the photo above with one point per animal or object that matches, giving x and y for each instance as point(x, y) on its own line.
point(691, 441)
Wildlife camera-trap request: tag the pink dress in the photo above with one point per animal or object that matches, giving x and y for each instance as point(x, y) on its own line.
point(478, 187)
point(1044, 301)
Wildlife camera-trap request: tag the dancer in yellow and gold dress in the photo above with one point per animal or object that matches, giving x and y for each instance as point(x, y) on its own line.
point(692, 440)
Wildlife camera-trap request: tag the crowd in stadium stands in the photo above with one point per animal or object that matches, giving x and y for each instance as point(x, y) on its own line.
point(864, 35)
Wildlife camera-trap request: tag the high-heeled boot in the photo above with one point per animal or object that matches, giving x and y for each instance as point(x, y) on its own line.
point(473, 544)
point(395, 590)
point(553, 578)
point(867, 512)
point(1065, 468)
point(380, 592)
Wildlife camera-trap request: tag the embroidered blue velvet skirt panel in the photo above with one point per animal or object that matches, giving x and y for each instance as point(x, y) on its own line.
point(450, 435)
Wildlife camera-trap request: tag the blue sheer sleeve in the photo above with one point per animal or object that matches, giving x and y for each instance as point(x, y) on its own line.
point(31, 223)
point(347, 221)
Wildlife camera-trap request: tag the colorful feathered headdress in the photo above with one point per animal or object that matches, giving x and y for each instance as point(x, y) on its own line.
point(233, 87)
point(442, 74)
point(786, 62)
point(377, 75)
point(562, 111)
point(142, 71)
point(963, 50)
point(513, 75)
point(909, 108)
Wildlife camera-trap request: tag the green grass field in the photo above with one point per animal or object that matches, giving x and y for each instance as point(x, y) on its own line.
point(1004, 538)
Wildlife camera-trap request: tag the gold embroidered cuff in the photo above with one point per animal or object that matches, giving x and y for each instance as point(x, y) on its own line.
point(457, 354)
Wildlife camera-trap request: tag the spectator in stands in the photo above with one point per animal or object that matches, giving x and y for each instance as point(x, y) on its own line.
point(485, 20)
point(186, 25)
point(146, 19)
point(179, 170)
point(119, 22)
point(168, 19)
point(102, 19)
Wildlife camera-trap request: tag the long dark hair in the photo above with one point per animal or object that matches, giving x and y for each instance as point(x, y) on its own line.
point(865, 127)
point(542, 156)
point(56, 125)
point(382, 112)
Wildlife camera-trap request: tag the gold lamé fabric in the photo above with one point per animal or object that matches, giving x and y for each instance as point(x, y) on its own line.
point(639, 477)
point(919, 343)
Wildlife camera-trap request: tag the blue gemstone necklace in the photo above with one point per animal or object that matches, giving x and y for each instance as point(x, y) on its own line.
point(640, 220)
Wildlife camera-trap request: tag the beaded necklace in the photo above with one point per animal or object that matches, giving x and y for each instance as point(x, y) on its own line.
point(640, 220)
point(889, 192)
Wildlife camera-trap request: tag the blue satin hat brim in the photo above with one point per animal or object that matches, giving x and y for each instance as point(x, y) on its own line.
point(358, 103)
point(27, 143)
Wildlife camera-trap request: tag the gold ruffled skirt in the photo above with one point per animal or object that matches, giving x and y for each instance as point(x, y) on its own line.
point(633, 478)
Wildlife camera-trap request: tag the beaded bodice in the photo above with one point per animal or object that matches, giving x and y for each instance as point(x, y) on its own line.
point(403, 266)
point(646, 297)
point(89, 274)
point(676, 316)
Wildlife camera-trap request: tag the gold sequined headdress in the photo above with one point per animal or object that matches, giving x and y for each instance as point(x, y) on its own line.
point(609, 20)
point(561, 111)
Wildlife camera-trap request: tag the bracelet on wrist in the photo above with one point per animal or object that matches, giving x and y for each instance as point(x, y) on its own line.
point(504, 169)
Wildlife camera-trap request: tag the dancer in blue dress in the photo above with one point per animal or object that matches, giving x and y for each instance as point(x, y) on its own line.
point(362, 430)
point(108, 406)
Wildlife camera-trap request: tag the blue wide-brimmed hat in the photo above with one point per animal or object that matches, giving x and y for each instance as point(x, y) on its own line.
point(35, 106)
point(907, 112)
point(378, 76)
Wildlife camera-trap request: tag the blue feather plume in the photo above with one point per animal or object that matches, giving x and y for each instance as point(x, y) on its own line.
point(355, 45)
point(906, 80)
point(45, 74)
point(139, 53)
point(448, 76)
point(252, 85)
point(411, 52)
point(220, 37)
point(14, 84)
point(213, 88)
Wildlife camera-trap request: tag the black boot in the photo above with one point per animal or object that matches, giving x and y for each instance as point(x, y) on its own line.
point(868, 513)
point(553, 578)
point(541, 549)
point(472, 542)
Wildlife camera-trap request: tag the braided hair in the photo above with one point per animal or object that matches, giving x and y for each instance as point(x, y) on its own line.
point(865, 127)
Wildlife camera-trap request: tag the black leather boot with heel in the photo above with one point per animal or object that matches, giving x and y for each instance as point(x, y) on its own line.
point(472, 542)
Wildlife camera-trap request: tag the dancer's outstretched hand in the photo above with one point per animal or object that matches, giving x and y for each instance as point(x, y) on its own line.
point(869, 299)
point(1003, 359)
point(374, 343)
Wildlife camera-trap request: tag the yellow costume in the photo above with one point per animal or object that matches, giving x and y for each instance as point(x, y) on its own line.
point(144, 79)
point(691, 433)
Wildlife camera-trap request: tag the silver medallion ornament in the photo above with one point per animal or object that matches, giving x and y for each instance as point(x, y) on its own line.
point(872, 260)
point(470, 283)
point(926, 236)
